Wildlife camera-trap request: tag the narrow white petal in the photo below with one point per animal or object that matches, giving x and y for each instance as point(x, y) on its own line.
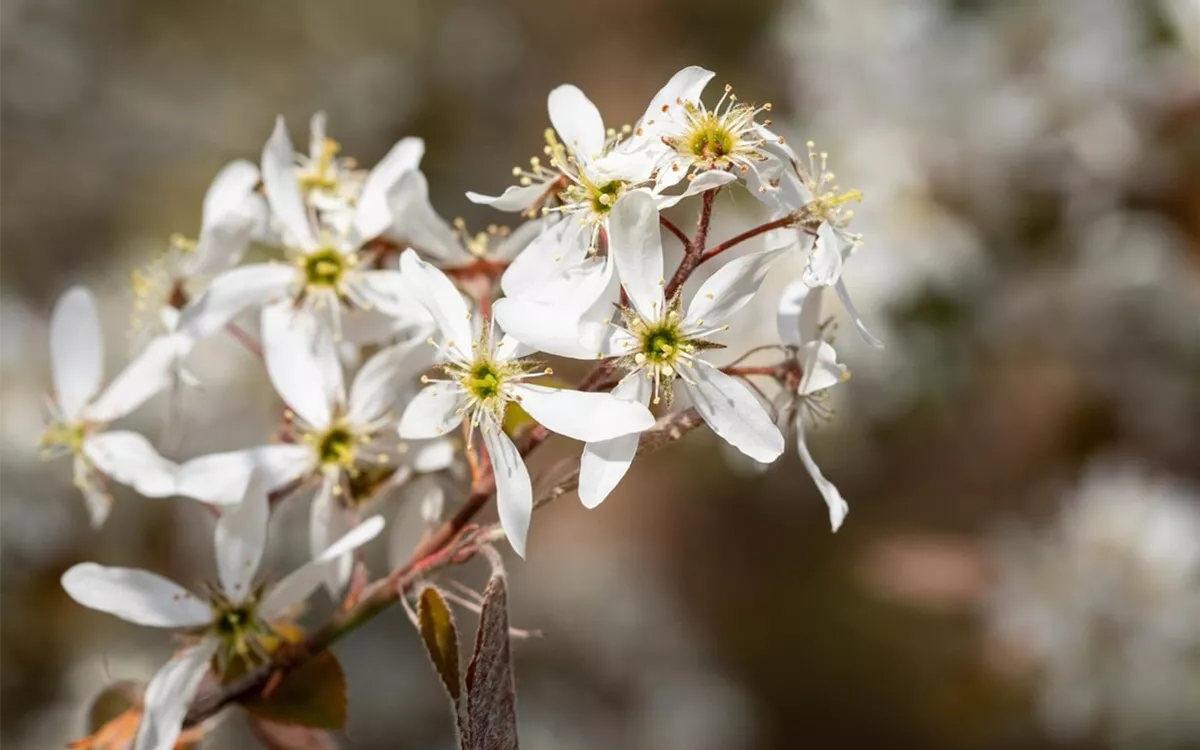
point(517, 240)
point(137, 596)
point(389, 295)
point(328, 522)
point(130, 459)
point(686, 85)
point(734, 414)
point(799, 314)
point(222, 478)
point(232, 211)
point(583, 416)
point(317, 134)
point(373, 215)
point(169, 695)
point(635, 244)
point(96, 498)
point(419, 513)
point(844, 296)
point(293, 351)
point(514, 491)
point(824, 265)
point(240, 538)
point(821, 368)
point(432, 413)
point(713, 178)
point(283, 189)
point(514, 197)
point(542, 326)
point(374, 389)
point(153, 370)
point(76, 351)
point(441, 298)
point(838, 507)
point(605, 463)
point(428, 456)
point(577, 121)
point(417, 224)
point(234, 291)
point(297, 586)
point(730, 288)
point(546, 261)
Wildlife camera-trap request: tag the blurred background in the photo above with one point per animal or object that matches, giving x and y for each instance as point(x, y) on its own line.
point(1021, 563)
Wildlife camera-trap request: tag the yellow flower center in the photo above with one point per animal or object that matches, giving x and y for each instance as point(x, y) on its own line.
point(325, 268)
point(337, 446)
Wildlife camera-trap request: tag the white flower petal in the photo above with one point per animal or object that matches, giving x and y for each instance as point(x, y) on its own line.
point(169, 695)
point(545, 262)
point(821, 368)
point(415, 518)
point(429, 456)
point(232, 211)
point(328, 522)
point(514, 197)
point(130, 459)
point(542, 326)
point(838, 507)
point(844, 296)
point(514, 491)
point(730, 288)
point(300, 362)
point(824, 265)
point(713, 178)
point(283, 189)
point(577, 121)
point(517, 240)
point(734, 414)
point(222, 478)
point(297, 586)
point(433, 412)
point(234, 291)
point(418, 225)
point(799, 314)
point(374, 389)
point(373, 215)
point(240, 538)
point(686, 85)
point(76, 351)
point(581, 415)
point(95, 495)
point(137, 596)
point(442, 299)
point(635, 244)
point(605, 463)
point(150, 372)
point(391, 300)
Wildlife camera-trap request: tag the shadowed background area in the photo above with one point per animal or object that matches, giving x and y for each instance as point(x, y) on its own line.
point(1031, 173)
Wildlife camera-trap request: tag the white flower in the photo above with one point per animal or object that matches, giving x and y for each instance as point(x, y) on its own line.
point(80, 411)
point(229, 624)
point(819, 206)
point(485, 375)
point(657, 340)
point(588, 173)
point(326, 270)
point(233, 213)
point(336, 435)
point(800, 327)
point(685, 137)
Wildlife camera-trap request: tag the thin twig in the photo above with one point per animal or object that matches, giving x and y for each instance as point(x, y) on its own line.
point(245, 339)
point(746, 235)
point(675, 230)
point(695, 249)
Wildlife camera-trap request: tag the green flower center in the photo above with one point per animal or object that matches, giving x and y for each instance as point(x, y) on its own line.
point(710, 139)
point(234, 622)
point(336, 447)
point(482, 381)
point(660, 345)
point(324, 268)
point(604, 197)
point(60, 435)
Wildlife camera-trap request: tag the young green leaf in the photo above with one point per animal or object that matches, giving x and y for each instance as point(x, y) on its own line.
point(436, 624)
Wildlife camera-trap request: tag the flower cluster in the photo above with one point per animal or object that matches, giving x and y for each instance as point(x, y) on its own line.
point(448, 327)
